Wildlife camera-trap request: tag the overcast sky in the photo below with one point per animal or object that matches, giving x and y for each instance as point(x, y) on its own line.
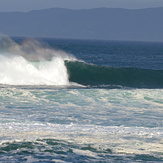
point(28, 5)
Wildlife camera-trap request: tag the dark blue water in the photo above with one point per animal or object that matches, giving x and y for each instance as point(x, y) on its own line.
point(146, 55)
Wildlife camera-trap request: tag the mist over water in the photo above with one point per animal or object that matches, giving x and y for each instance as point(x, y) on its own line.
point(31, 63)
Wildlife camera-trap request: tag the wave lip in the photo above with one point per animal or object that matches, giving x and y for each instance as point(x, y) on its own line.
point(101, 76)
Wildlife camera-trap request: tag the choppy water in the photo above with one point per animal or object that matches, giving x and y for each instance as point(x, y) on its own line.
point(49, 115)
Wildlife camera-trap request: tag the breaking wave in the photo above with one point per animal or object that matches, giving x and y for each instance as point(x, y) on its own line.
point(31, 63)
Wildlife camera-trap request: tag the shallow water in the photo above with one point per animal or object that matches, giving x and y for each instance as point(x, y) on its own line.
point(85, 124)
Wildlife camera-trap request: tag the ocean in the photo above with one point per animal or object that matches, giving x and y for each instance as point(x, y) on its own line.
point(64, 100)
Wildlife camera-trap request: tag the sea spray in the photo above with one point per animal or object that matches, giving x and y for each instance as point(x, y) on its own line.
point(30, 63)
point(15, 70)
point(32, 50)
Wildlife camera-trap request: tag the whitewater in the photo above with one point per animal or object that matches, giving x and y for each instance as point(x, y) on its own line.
point(80, 101)
point(30, 64)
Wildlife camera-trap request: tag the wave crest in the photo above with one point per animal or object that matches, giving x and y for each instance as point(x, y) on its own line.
point(31, 63)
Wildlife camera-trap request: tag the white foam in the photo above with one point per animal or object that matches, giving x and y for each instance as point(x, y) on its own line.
point(119, 139)
point(16, 70)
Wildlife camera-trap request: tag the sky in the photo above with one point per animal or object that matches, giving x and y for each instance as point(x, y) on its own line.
point(28, 5)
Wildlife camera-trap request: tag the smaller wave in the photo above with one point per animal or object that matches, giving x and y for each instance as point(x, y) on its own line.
point(102, 76)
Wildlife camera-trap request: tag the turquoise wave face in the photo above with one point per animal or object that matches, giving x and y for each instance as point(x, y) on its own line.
point(103, 76)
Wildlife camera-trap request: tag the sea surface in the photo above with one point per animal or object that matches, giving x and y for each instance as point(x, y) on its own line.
point(64, 100)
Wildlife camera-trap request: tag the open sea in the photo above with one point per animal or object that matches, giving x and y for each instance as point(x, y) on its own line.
point(64, 100)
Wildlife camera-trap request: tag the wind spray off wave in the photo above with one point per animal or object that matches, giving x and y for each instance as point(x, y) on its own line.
point(31, 64)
